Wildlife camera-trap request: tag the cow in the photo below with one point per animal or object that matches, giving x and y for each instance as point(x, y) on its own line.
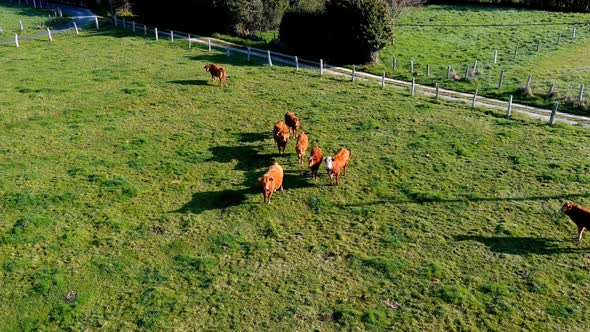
point(579, 215)
point(337, 163)
point(271, 181)
point(293, 122)
point(301, 147)
point(281, 134)
point(314, 161)
point(216, 71)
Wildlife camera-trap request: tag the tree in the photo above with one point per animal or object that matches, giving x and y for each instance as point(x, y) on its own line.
point(398, 6)
point(359, 29)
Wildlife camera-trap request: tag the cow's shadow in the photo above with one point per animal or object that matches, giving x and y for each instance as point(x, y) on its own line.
point(515, 245)
point(190, 82)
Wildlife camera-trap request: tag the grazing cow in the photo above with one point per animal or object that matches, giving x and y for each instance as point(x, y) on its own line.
point(271, 181)
point(314, 161)
point(301, 147)
point(579, 215)
point(337, 163)
point(281, 135)
point(216, 71)
point(293, 122)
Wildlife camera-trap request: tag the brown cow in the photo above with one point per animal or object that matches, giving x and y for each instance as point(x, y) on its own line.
point(301, 147)
point(579, 215)
point(281, 134)
point(216, 71)
point(271, 181)
point(314, 161)
point(337, 163)
point(293, 122)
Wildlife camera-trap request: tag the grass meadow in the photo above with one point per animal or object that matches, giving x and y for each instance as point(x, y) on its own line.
point(130, 178)
point(34, 20)
point(443, 41)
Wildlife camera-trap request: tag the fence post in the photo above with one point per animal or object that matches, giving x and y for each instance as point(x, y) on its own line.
point(209, 43)
point(296, 63)
point(16, 40)
point(124, 24)
point(227, 51)
point(412, 66)
point(133, 26)
point(394, 63)
point(321, 67)
point(495, 56)
point(190, 42)
point(501, 82)
point(538, 45)
point(383, 80)
point(413, 87)
point(145, 30)
point(21, 25)
point(509, 110)
point(76, 28)
point(437, 87)
point(353, 72)
point(528, 82)
point(448, 72)
point(156, 33)
point(249, 50)
point(467, 72)
point(115, 20)
point(515, 52)
point(551, 89)
point(553, 112)
point(574, 33)
point(171, 36)
point(60, 13)
point(474, 96)
point(474, 67)
point(96, 22)
point(581, 98)
point(49, 34)
point(269, 58)
point(427, 70)
point(34, 4)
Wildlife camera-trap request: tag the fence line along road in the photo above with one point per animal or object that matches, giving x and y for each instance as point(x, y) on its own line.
point(84, 16)
point(456, 96)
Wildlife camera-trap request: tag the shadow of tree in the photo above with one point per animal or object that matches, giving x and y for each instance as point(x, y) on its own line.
point(212, 200)
point(522, 245)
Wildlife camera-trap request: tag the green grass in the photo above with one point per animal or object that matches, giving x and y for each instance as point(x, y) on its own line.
point(131, 179)
point(34, 20)
point(443, 44)
point(265, 41)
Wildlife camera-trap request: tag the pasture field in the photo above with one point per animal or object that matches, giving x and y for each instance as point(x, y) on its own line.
point(34, 20)
point(130, 178)
point(443, 43)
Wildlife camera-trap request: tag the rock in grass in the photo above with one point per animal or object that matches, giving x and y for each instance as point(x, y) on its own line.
point(70, 296)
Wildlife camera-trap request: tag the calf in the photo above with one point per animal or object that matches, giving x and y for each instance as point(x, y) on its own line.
point(293, 122)
point(337, 163)
point(314, 161)
point(579, 215)
point(301, 147)
point(271, 181)
point(216, 71)
point(281, 135)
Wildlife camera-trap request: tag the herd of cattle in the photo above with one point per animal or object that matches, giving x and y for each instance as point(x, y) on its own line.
point(273, 179)
point(282, 131)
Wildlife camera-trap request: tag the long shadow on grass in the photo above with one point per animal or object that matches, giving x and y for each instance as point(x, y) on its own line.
point(522, 245)
point(418, 199)
point(190, 82)
point(252, 163)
